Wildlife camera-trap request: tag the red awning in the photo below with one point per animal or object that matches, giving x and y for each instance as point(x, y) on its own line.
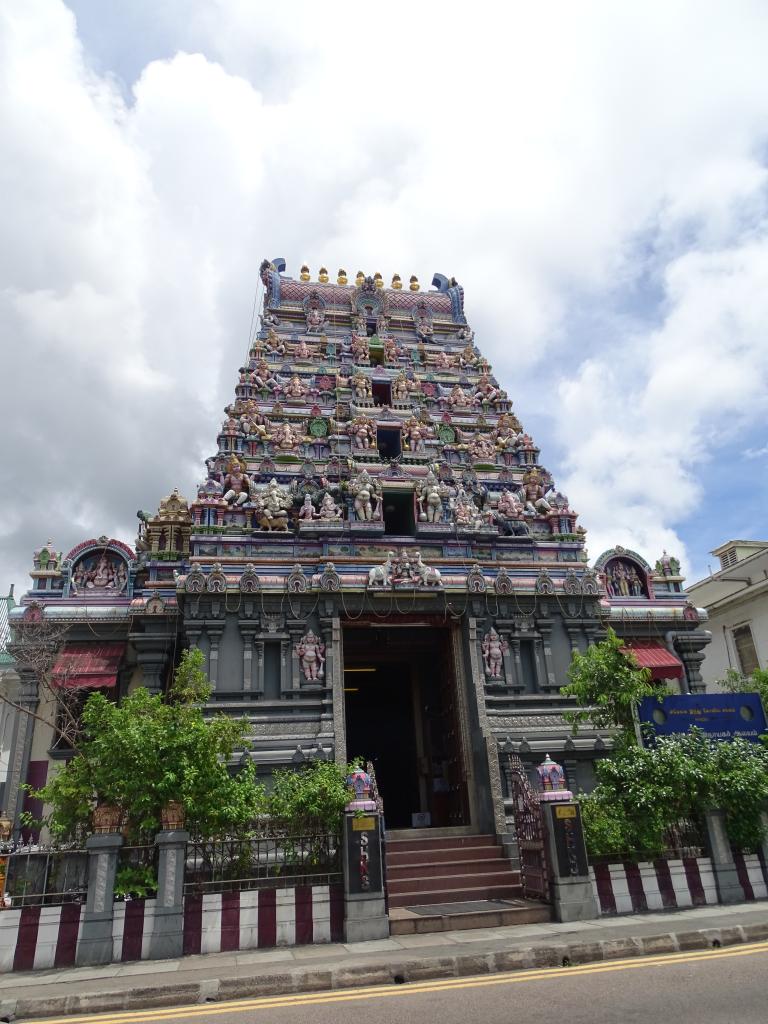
point(88, 665)
point(654, 656)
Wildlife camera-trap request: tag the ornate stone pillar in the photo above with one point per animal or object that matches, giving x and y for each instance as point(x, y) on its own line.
point(690, 646)
point(214, 631)
point(247, 632)
point(548, 681)
point(21, 742)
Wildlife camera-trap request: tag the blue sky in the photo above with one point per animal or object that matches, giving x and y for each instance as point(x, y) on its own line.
point(595, 176)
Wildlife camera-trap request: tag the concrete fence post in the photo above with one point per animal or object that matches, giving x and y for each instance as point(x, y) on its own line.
point(167, 941)
point(95, 944)
point(729, 888)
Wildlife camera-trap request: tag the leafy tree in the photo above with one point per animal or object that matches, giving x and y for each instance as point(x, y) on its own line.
point(147, 751)
point(316, 792)
point(608, 685)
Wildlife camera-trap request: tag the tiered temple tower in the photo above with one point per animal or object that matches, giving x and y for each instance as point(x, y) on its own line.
point(376, 563)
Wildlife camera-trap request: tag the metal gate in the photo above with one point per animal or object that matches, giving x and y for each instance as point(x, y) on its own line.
point(529, 830)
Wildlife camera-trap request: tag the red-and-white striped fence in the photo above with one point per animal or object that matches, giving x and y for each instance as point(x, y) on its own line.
point(628, 887)
point(37, 938)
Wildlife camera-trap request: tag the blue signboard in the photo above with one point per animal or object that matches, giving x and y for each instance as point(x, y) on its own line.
point(722, 716)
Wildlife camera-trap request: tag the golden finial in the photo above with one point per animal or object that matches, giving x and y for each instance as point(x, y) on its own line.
point(322, 277)
point(414, 283)
point(304, 275)
point(397, 282)
point(378, 280)
point(360, 278)
point(342, 278)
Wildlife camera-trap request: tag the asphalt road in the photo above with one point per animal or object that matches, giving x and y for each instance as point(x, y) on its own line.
point(723, 986)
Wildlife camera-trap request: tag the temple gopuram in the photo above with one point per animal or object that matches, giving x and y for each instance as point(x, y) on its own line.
point(376, 564)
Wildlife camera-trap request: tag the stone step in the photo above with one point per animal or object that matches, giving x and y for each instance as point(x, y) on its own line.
point(459, 916)
point(397, 858)
point(478, 867)
point(468, 880)
point(456, 895)
point(437, 843)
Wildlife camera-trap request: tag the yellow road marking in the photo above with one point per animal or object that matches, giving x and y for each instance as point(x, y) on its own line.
point(409, 989)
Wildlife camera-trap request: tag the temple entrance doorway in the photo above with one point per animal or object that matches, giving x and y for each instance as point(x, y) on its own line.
point(402, 713)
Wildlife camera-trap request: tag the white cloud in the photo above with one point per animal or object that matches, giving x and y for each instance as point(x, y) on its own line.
point(554, 158)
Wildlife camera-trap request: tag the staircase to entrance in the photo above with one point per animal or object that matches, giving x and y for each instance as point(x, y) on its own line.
point(449, 879)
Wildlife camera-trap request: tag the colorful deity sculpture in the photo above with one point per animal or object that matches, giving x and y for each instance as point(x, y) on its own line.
point(310, 651)
point(415, 435)
point(367, 494)
point(430, 499)
point(362, 432)
point(532, 494)
point(237, 486)
point(494, 648)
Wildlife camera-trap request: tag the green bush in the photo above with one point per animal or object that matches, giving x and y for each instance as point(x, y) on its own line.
point(643, 792)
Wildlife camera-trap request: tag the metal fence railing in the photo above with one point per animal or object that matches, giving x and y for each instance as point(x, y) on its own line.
point(267, 859)
point(686, 838)
point(43, 876)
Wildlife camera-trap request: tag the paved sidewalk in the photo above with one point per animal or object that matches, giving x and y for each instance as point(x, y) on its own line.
point(219, 976)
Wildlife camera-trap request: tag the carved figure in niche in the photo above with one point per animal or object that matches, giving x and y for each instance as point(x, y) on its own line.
point(400, 388)
point(466, 334)
point(635, 583)
point(315, 320)
point(229, 426)
point(467, 356)
point(302, 350)
point(237, 486)
point(415, 434)
point(459, 397)
point(392, 350)
point(381, 575)
point(272, 506)
point(361, 385)
point(360, 348)
point(367, 495)
point(269, 319)
point(494, 648)
point(362, 432)
point(430, 499)
point(487, 391)
point(422, 322)
point(295, 388)
point(443, 360)
point(465, 512)
point(330, 512)
point(102, 572)
point(274, 344)
point(262, 377)
point(532, 494)
point(311, 654)
point(509, 506)
point(286, 437)
point(307, 510)
point(255, 424)
point(482, 447)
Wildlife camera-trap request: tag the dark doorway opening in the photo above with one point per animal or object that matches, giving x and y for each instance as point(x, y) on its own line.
point(389, 441)
point(399, 515)
point(382, 392)
point(401, 714)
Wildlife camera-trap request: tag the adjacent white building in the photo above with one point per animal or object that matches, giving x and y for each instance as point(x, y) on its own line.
point(736, 598)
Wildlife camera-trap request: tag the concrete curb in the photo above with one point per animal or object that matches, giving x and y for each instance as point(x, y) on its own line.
point(394, 971)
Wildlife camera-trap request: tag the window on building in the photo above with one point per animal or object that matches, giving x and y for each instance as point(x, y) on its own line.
point(382, 392)
point(728, 558)
point(399, 515)
point(746, 651)
point(389, 442)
